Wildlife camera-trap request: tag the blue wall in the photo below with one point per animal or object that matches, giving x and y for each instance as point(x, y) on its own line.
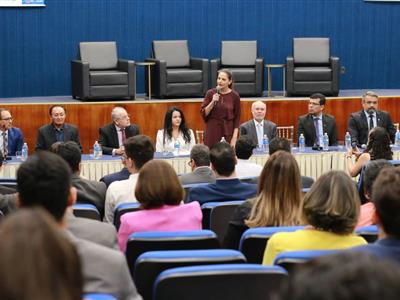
point(37, 44)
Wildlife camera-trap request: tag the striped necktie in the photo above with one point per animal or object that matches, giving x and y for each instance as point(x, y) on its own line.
point(5, 144)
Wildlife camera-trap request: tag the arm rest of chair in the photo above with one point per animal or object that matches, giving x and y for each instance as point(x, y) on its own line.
point(129, 67)
point(215, 65)
point(259, 65)
point(80, 78)
point(201, 64)
point(335, 65)
point(289, 75)
point(158, 76)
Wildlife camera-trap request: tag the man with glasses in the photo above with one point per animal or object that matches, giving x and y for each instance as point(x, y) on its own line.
point(361, 122)
point(11, 139)
point(315, 124)
point(113, 136)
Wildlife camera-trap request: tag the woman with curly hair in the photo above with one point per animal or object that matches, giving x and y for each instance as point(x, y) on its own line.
point(378, 147)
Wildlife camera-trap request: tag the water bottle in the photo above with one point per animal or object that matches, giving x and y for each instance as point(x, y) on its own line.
point(397, 139)
point(325, 142)
point(223, 140)
point(347, 140)
point(24, 152)
point(177, 147)
point(265, 142)
point(302, 143)
point(97, 151)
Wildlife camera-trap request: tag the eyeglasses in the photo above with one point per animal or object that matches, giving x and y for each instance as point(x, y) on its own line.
point(190, 162)
point(7, 119)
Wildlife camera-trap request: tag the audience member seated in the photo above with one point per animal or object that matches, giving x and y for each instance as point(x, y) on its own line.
point(378, 147)
point(367, 212)
point(94, 192)
point(139, 149)
point(11, 139)
point(117, 176)
point(278, 202)
point(57, 130)
point(44, 180)
point(345, 276)
point(5, 190)
point(386, 197)
point(37, 261)
point(161, 203)
point(200, 164)
point(361, 122)
point(227, 186)
point(113, 136)
point(244, 150)
point(331, 209)
point(279, 143)
point(175, 130)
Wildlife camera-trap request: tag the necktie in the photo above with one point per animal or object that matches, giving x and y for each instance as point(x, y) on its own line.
point(371, 121)
point(123, 136)
point(5, 144)
point(317, 137)
point(259, 134)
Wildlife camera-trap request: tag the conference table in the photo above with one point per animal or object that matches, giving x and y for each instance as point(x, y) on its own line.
point(312, 163)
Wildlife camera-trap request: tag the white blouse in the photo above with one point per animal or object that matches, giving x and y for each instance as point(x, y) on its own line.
point(169, 143)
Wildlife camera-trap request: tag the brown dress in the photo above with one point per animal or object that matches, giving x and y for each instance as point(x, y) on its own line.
point(222, 119)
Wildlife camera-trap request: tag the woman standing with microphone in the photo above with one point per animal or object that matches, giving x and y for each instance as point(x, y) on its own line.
point(221, 111)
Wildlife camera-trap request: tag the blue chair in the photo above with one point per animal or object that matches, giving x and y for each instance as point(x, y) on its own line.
point(254, 241)
point(98, 297)
point(122, 209)
point(86, 211)
point(220, 282)
point(290, 260)
point(141, 242)
point(216, 216)
point(369, 233)
point(150, 264)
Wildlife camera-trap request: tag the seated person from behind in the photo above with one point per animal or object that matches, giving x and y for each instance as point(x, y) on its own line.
point(315, 124)
point(113, 136)
point(331, 209)
point(11, 139)
point(278, 202)
point(175, 130)
point(200, 164)
point(161, 204)
point(227, 186)
point(244, 149)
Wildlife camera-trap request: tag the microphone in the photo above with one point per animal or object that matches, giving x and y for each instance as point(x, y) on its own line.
point(218, 89)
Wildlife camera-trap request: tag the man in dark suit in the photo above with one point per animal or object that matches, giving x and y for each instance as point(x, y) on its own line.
point(200, 164)
point(57, 131)
point(361, 122)
point(315, 124)
point(113, 136)
point(258, 126)
point(11, 139)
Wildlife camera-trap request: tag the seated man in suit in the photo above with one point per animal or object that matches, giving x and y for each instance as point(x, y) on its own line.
point(258, 126)
point(315, 124)
point(57, 131)
point(44, 180)
point(11, 139)
point(117, 176)
point(200, 164)
point(361, 122)
point(227, 186)
point(113, 136)
point(244, 150)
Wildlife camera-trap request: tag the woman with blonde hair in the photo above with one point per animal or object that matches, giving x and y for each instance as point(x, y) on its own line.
point(277, 203)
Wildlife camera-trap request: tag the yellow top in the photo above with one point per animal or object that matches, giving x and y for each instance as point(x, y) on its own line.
point(308, 239)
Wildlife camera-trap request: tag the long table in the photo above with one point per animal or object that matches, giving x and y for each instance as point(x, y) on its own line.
point(312, 163)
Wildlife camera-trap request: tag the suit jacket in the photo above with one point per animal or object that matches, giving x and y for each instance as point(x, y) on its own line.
point(117, 176)
point(307, 128)
point(15, 140)
point(47, 136)
point(387, 248)
point(92, 192)
point(249, 128)
point(109, 138)
point(199, 175)
point(358, 126)
point(6, 190)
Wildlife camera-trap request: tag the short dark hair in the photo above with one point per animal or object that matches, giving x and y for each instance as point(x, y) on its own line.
point(71, 153)
point(223, 158)
point(140, 149)
point(279, 143)
point(346, 275)
point(386, 197)
point(321, 97)
point(44, 180)
point(371, 172)
point(201, 155)
point(54, 106)
point(244, 147)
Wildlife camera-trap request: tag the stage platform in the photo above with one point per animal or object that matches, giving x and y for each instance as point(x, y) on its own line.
point(30, 113)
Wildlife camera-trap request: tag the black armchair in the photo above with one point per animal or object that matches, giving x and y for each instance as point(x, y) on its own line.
point(175, 73)
point(311, 69)
point(99, 74)
point(240, 57)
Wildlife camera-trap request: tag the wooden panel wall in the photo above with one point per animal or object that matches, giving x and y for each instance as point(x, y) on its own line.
point(150, 115)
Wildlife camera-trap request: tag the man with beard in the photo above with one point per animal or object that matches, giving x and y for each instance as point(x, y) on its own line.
point(361, 122)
